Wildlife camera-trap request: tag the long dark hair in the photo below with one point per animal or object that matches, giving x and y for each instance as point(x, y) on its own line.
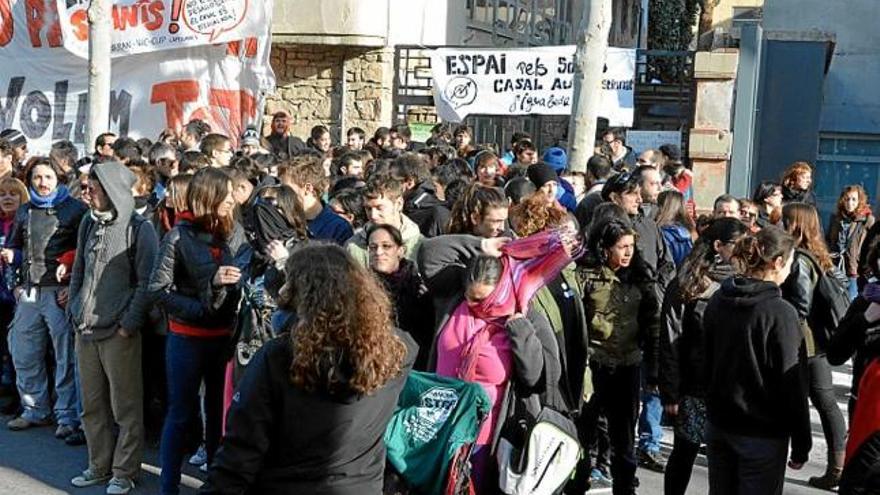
point(802, 222)
point(207, 191)
point(693, 279)
point(343, 341)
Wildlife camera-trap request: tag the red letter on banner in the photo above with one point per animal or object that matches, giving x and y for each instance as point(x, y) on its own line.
point(175, 94)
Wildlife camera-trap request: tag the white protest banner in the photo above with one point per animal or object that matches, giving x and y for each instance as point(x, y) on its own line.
point(641, 141)
point(141, 26)
point(47, 97)
point(523, 81)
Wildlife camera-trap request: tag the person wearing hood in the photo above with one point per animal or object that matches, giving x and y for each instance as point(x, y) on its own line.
point(755, 407)
point(421, 204)
point(682, 382)
point(109, 306)
point(43, 233)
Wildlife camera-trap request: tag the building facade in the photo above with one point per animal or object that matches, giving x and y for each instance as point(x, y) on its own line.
point(346, 63)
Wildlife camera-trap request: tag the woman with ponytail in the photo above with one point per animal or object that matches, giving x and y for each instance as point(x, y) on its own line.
point(812, 261)
point(682, 382)
point(756, 397)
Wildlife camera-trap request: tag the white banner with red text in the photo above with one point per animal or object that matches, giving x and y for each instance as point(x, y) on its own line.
point(44, 88)
point(142, 26)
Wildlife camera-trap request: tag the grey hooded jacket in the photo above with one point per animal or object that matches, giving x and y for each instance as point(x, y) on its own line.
point(108, 281)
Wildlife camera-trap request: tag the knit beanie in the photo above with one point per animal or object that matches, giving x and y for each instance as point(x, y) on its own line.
point(541, 173)
point(556, 158)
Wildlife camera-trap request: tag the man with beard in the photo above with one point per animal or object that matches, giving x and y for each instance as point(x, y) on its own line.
point(280, 142)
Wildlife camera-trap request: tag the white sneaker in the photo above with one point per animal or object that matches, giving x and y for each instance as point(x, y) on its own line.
point(119, 486)
point(88, 478)
point(204, 468)
point(200, 457)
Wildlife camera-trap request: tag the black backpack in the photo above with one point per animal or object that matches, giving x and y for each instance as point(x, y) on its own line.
point(830, 299)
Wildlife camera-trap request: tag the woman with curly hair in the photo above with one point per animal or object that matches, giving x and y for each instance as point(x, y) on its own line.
point(849, 229)
point(812, 261)
point(312, 407)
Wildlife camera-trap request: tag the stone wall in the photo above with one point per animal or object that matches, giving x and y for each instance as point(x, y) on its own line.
point(310, 87)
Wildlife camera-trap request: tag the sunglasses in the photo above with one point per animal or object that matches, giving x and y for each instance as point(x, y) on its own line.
point(85, 187)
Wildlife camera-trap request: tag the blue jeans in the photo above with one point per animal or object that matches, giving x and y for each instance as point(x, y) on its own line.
point(37, 324)
point(188, 361)
point(650, 432)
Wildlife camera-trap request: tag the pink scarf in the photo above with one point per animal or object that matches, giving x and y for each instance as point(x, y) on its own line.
point(473, 345)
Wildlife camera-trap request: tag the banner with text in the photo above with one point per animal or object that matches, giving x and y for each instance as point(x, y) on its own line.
point(525, 81)
point(47, 97)
point(141, 26)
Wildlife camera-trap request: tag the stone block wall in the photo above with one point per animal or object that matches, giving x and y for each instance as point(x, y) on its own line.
point(310, 87)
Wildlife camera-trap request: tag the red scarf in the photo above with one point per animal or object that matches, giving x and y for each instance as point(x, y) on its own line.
point(529, 264)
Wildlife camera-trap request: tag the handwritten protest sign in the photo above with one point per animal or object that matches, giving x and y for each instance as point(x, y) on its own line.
point(47, 97)
point(524, 81)
point(141, 26)
point(641, 141)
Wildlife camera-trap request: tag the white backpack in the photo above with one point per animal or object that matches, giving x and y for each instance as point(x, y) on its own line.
point(544, 462)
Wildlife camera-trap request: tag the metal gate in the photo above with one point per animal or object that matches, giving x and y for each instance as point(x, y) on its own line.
point(659, 104)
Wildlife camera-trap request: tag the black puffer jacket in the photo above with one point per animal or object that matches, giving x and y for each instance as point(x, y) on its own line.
point(41, 235)
point(681, 338)
point(182, 279)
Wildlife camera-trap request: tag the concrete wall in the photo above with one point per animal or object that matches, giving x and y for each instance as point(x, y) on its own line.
point(851, 100)
point(369, 22)
point(722, 16)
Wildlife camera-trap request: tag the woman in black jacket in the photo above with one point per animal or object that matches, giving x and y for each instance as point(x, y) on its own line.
point(756, 394)
point(194, 279)
point(812, 261)
point(401, 279)
point(682, 383)
point(311, 410)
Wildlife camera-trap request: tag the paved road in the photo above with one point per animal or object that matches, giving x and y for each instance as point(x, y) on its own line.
point(33, 462)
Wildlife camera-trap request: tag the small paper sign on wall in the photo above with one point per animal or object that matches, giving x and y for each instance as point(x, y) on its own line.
point(526, 81)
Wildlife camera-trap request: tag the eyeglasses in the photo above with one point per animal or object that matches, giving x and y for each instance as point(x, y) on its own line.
point(749, 214)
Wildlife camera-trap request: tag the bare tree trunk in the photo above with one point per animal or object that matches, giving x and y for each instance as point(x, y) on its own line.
point(589, 66)
point(100, 32)
point(707, 21)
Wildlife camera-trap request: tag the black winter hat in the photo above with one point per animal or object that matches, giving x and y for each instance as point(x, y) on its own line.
point(541, 173)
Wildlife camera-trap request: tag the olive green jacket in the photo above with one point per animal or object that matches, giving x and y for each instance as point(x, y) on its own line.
point(623, 318)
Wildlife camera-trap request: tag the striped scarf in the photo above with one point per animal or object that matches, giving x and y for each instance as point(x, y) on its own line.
point(528, 265)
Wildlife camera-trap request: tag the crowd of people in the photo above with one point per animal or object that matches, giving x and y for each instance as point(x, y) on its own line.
point(130, 274)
